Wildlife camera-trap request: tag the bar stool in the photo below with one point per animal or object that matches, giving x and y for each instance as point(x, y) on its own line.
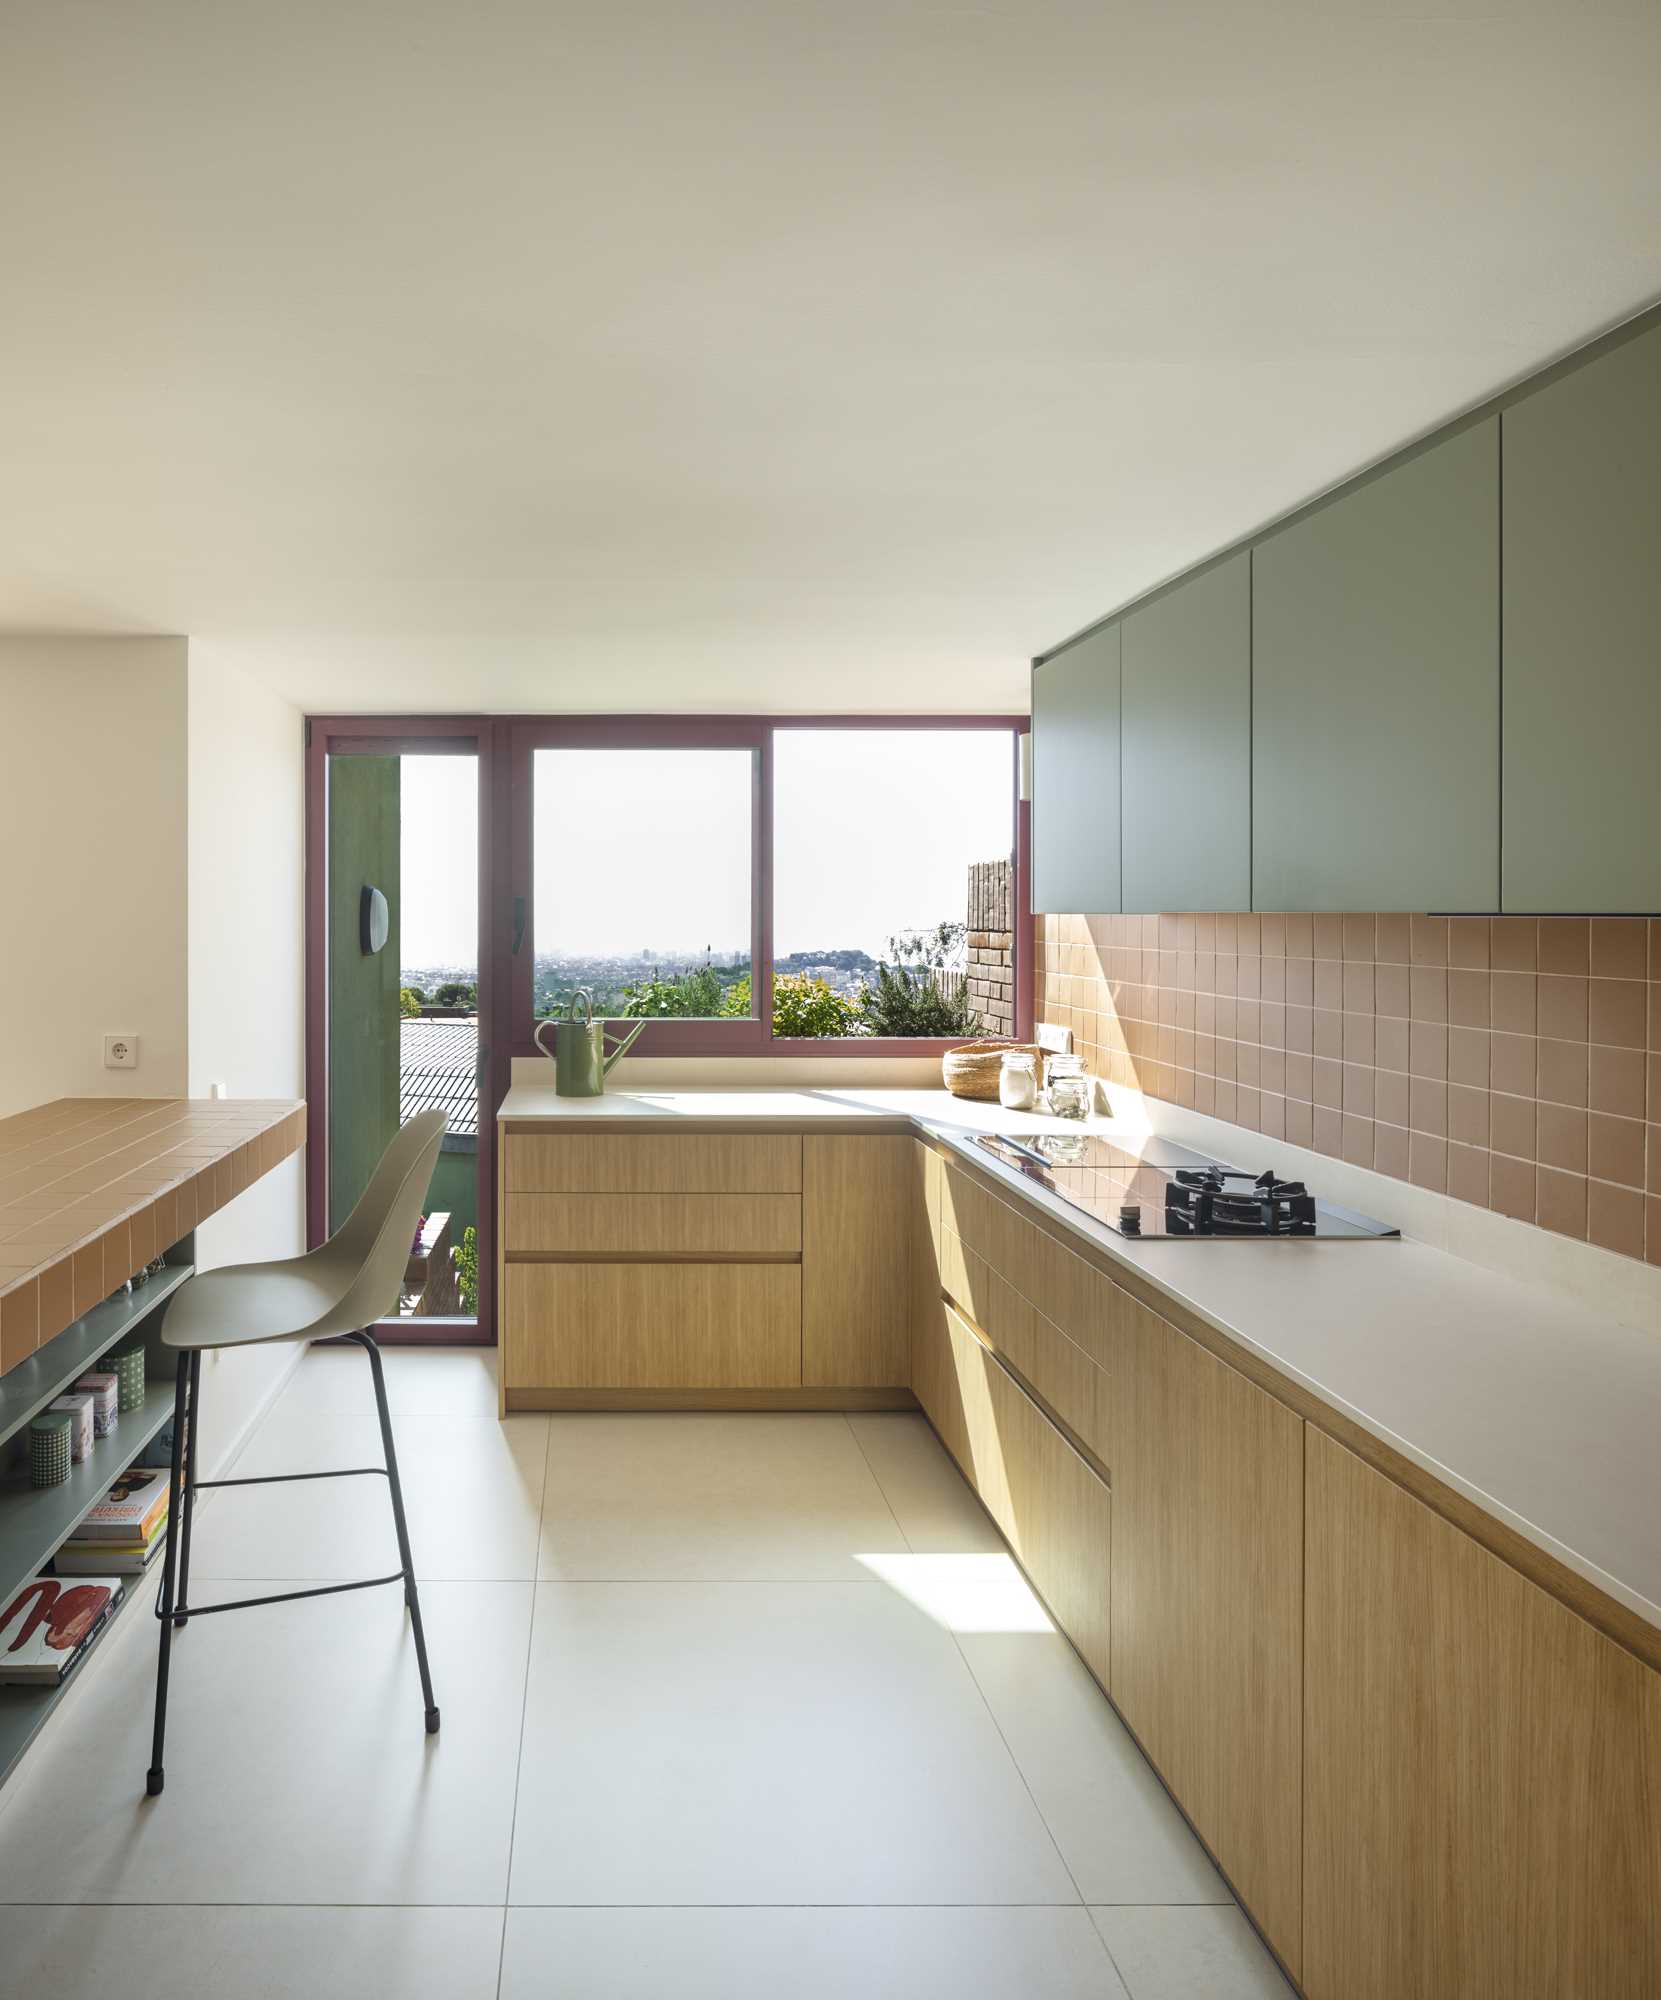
point(337, 1291)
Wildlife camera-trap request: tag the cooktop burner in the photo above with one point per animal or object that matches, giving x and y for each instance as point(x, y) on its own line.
point(1165, 1190)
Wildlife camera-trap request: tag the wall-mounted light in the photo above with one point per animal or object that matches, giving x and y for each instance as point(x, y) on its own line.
point(372, 920)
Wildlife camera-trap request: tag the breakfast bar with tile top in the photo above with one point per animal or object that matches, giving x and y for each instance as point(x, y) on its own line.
point(93, 1193)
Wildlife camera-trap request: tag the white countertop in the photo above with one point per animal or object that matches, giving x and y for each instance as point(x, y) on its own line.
point(1542, 1413)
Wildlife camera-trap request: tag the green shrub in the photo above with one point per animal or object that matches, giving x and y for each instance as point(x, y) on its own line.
point(803, 1005)
point(411, 1000)
point(903, 1002)
point(694, 995)
point(465, 1257)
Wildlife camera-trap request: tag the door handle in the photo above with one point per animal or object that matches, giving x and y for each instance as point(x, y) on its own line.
point(518, 924)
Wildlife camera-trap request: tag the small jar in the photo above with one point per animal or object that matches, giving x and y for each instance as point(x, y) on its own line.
point(1068, 1089)
point(1018, 1081)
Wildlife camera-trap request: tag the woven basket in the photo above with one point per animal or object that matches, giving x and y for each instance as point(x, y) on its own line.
point(972, 1071)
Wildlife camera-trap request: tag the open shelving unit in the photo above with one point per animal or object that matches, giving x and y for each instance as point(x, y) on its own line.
point(34, 1521)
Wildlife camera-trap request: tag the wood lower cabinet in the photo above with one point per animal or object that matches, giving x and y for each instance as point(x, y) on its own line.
point(654, 1326)
point(1054, 1511)
point(856, 1261)
point(674, 1264)
point(1207, 1581)
point(1483, 1770)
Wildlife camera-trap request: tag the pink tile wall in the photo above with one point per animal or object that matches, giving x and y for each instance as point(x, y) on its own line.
point(1513, 1062)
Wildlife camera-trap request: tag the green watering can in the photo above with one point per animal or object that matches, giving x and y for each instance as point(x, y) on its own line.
point(580, 1056)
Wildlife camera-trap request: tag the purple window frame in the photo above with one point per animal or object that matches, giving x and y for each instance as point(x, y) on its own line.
point(503, 746)
point(751, 1037)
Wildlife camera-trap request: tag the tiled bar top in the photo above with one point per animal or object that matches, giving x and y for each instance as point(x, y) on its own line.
point(1534, 1408)
point(92, 1188)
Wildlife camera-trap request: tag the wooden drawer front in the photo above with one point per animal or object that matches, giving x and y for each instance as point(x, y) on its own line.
point(1053, 1510)
point(661, 1225)
point(1059, 1372)
point(1069, 1292)
point(654, 1326)
point(650, 1163)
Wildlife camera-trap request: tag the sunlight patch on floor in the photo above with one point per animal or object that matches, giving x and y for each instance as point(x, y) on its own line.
point(969, 1593)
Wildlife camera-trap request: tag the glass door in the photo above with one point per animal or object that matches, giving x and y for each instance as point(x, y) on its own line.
point(399, 996)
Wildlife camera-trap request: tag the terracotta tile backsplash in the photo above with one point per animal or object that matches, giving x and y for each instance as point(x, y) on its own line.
point(1513, 1062)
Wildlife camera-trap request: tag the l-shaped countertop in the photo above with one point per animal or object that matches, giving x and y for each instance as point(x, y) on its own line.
point(1545, 1415)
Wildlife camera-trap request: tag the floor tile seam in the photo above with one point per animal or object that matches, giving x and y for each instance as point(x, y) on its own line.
point(1020, 1771)
point(288, 1903)
point(302, 1903)
point(1090, 1910)
point(524, 1706)
point(876, 1479)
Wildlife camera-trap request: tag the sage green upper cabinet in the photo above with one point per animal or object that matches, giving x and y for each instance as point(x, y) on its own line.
point(1187, 667)
point(1075, 777)
point(1376, 693)
point(1583, 637)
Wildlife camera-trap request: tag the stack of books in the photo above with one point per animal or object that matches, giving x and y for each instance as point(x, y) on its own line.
point(123, 1533)
point(49, 1626)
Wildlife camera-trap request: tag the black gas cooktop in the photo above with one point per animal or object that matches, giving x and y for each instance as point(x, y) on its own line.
point(1164, 1190)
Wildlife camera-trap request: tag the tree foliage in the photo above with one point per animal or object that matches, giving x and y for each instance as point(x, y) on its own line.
point(411, 1000)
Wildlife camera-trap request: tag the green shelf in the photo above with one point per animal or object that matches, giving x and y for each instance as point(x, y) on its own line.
point(23, 1710)
point(32, 1384)
point(34, 1521)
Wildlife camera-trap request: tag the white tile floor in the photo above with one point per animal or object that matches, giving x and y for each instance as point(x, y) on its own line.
point(733, 1706)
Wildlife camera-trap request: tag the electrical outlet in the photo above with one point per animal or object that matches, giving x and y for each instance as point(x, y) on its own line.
point(121, 1052)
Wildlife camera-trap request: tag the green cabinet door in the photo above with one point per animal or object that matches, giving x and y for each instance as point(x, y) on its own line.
point(1075, 777)
point(1582, 625)
point(1187, 721)
point(1376, 694)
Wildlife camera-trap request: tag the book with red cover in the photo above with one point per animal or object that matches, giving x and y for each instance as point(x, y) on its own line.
point(50, 1623)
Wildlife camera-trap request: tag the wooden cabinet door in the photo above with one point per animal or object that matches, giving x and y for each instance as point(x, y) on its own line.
point(1483, 1769)
point(1582, 628)
point(856, 1262)
point(1208, 1604)
point(1075, 776)
point(1376, 692)
point(1187, 718)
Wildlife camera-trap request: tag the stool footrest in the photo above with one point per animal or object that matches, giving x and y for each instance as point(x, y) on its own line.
point(182, 1612)
point(281, 1478)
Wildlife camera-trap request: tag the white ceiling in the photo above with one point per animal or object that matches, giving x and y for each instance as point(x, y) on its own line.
point(755, 355)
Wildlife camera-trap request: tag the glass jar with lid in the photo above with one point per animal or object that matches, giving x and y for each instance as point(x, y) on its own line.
point(1068, 1088)
point(1018, 1081)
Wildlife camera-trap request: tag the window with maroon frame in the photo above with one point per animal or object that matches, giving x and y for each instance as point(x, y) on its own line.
point(750, 886)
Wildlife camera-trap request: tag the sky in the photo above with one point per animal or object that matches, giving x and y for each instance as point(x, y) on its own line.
point(874, 831)
point(439, 862)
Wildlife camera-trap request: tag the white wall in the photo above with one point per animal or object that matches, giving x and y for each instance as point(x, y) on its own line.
point(246, 983)
point(92, 831)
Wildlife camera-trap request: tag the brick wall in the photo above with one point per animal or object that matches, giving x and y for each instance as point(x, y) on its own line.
point(991, 962)
point(1512, 1062)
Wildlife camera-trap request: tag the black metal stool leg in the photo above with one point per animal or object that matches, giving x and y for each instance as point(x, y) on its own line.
point(195, 1419)
point(156, 1776)
point(412, 1599)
